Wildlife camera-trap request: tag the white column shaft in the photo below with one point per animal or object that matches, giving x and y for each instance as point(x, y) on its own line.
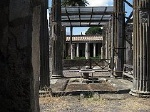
point(72, 51)
point(94, 49)
point(77, 50)
point(86, 51)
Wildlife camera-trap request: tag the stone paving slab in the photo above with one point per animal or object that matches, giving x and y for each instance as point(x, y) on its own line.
point(60, 85)
point(69, 84)
point(121, 84)
point(103, 87)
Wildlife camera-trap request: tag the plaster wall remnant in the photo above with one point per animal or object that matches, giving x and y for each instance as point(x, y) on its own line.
point(19, 55)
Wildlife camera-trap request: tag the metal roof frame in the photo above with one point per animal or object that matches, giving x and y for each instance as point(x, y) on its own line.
point(86, 16)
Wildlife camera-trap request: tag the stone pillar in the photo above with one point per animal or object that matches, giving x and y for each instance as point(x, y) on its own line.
point(86, 51)
point(72, 51)
point(51, 44)
point(102, 52)
point(36, 57)
point(63, 31)
point(57, 47)
point(119, 35)
point(106, 45)
point(94, 49)
point(110, 38)
point(71, 44)
point(77, 50)
point(129, 45)
point(141, 48)
point(19, 56)
point(44, 47)
point(111, 34)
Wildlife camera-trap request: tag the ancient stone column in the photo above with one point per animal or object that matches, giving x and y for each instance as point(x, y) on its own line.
point(51, 43)
point(141, 48)
point(102, 52)
point(57, 40)
point(72, 51)
point(108, 42)
point(77, 50)
point(106, 45)
point(44, 47)
point(119, 35)
point(86, 51)
point(111, 43)
point(63, 33)
point(94, 49)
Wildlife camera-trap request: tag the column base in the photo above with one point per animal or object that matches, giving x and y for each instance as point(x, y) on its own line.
point(56, 76)
point(141, 94)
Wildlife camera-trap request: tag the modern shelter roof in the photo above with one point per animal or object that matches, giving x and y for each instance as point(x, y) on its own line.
point(86, 16)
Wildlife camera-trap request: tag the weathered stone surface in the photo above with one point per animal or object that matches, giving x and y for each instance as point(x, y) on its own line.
point(18, 70)
point(141, 51)
point(57, 40)
point(44, 48)
point(35, 58)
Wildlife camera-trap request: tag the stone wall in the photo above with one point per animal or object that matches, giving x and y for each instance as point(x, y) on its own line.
point(19, 34)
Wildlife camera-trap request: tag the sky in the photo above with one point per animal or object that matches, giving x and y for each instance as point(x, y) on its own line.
point(79, 30)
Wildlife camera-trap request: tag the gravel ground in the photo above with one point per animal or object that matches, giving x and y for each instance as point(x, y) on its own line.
point(96, 103)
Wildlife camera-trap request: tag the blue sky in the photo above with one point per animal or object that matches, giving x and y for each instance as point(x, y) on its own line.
point(78, 30)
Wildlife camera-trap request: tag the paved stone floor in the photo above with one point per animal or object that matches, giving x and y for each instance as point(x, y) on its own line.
point(93, 101)
point(72, 81)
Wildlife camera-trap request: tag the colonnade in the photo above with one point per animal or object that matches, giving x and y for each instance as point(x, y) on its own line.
point(75, 52)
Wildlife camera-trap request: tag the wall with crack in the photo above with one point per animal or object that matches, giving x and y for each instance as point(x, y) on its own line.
point(19, 41)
